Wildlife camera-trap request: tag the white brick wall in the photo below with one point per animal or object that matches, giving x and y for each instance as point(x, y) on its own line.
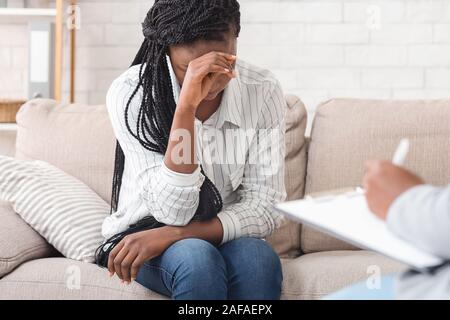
point(318, 48)
point(13, 60)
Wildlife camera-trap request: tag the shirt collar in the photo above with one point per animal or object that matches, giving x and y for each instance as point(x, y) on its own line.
point(229, 109)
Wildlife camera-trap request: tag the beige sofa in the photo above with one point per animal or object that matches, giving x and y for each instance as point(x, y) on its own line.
point(346, 132)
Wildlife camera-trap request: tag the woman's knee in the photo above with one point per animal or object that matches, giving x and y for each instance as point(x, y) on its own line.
point(254, 256)
point(196, 258)
point(251, 249)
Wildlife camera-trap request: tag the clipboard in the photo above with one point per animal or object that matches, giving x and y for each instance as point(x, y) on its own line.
point(346, 216)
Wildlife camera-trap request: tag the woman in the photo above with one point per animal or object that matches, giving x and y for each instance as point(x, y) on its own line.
point(184, 226)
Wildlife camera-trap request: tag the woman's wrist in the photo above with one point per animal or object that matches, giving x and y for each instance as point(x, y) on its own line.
point(186, 108)
point(210, 230)
point(174, 234)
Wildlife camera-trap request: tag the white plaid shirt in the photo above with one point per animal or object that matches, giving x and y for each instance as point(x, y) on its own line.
point(252, 101)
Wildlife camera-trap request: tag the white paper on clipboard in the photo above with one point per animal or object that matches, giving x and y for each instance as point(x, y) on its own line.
point(349, 219)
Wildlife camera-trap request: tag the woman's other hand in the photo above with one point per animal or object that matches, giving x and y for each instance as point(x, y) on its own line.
point(130, 254)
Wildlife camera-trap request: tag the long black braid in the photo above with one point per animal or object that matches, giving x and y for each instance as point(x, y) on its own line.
point(168, 23)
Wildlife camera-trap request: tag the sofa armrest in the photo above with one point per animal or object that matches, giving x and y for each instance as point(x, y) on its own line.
point(18, 241)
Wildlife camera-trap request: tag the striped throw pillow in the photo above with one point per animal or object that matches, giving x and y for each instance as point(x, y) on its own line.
point(66, 212)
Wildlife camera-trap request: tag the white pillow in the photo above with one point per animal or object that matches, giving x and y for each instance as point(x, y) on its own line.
point(66, 212)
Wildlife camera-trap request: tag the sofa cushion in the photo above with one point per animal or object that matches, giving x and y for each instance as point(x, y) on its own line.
point(315, 275)
point(286, 240)
point(347, 132)
point(311, 276)
point(64, 279)
point(18, 241)
point(77, 139)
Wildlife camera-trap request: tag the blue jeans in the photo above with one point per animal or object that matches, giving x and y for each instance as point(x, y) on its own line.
point(360, 291)
point(194, 269)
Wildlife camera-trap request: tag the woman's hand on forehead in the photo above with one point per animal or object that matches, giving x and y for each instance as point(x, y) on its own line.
point(228, 58)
